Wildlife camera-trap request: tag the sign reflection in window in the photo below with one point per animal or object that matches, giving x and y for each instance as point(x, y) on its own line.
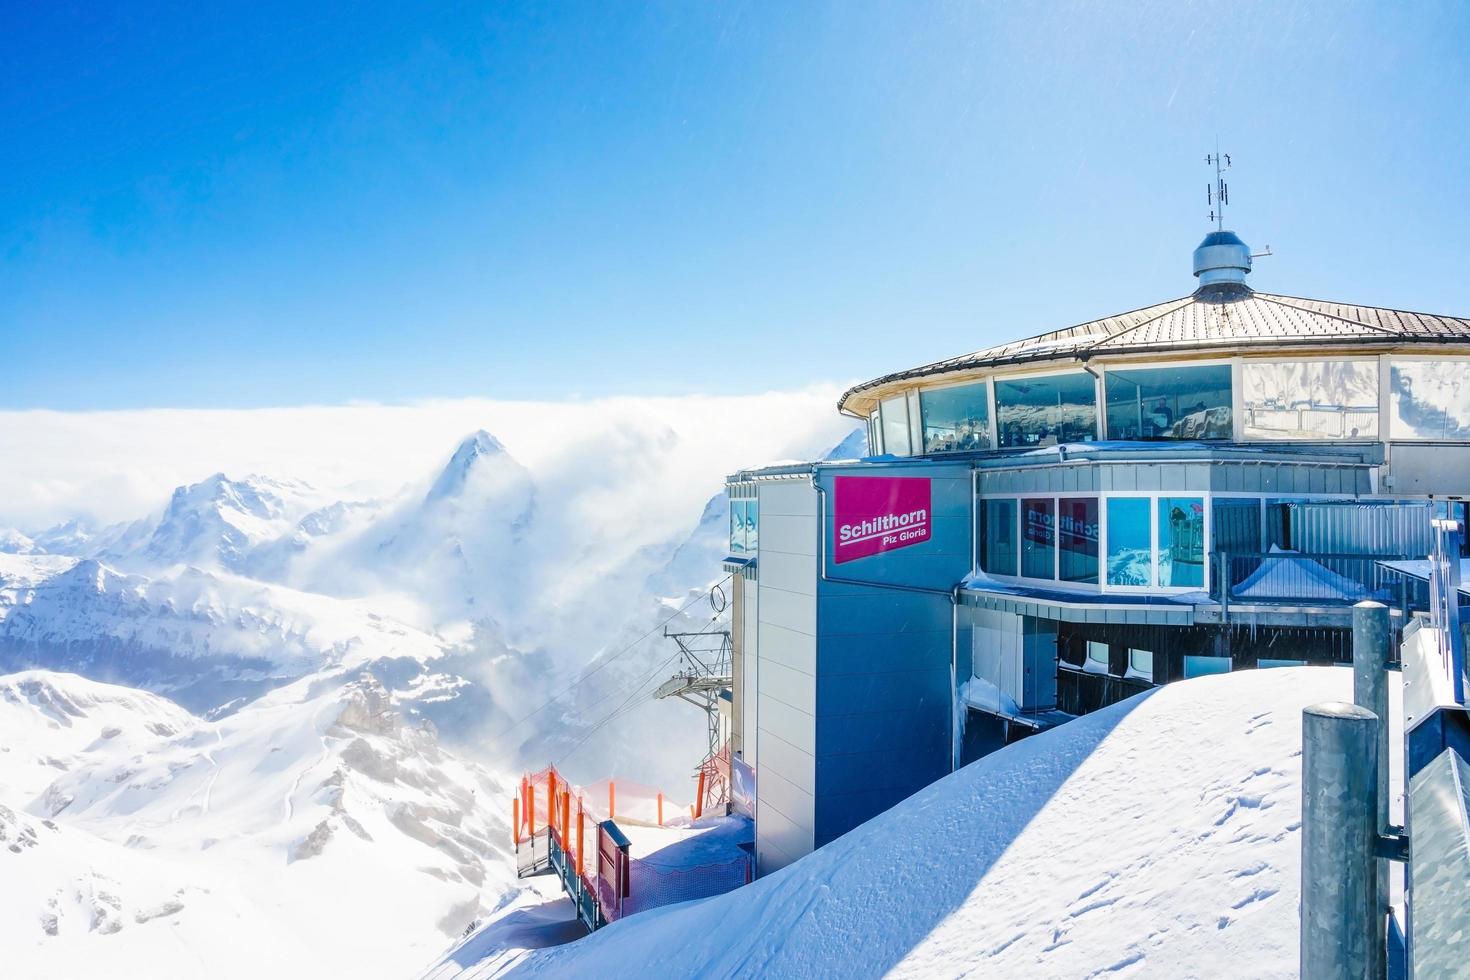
point(1077, 539)
point(1038, 538)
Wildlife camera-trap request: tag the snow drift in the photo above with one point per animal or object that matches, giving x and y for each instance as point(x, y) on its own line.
point(1157, 837)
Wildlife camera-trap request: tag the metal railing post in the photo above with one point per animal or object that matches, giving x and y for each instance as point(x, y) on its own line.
point(1339, 913)
point(1371, 637)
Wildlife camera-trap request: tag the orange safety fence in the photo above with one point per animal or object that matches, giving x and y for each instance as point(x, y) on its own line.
point(549, 802)
point(548, 805)
point(626, 802)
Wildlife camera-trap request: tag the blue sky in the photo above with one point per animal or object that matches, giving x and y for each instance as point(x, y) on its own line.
point(269, 204)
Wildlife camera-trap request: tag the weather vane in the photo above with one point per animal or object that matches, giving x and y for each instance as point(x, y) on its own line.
point(1218, 194)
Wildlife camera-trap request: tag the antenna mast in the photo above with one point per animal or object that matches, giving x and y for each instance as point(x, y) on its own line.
point(1218, 194)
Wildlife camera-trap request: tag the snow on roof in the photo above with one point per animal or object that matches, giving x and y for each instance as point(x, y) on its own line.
point(1109, 842)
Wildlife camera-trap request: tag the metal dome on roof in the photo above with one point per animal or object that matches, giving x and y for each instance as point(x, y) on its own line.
point(1222, 258)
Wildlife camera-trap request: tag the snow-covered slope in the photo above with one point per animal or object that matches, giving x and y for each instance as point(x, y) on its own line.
point(1155, 838)
point(203, 638)
point(311, 834)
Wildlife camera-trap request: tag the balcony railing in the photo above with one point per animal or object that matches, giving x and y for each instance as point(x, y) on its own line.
point(1296, 578)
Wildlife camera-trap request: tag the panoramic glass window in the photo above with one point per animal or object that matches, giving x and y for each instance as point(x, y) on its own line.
point(956, 419)
point(893, 414)
point(998, 533)
point(752, 526)
point(1169, 403)
point(1130, 541)
point(1077, 539)
point(1046, 411)
point(1310, 400)
point(1181, 542)
point(1431, 399)
point(1038, 538)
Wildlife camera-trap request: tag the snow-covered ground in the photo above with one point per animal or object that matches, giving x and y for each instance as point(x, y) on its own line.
point(1158, 837)
point(311, 833)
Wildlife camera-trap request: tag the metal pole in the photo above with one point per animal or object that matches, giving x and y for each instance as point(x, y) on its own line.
point(1370, 690)
point(1339, 816)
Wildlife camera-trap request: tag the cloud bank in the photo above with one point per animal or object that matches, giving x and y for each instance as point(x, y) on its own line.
point(105, 467)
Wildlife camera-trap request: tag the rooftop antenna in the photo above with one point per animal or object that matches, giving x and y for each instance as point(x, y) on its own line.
point(1218, 194)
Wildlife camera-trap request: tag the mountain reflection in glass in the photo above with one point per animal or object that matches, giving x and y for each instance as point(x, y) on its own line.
point(1038, 538)
point(1181, 542)
point(737, 527)
point(1431, 399)
point(1169, 402)
point(1310, 399)
point(1130, 541)
point(956, 419)
point(1046, 411)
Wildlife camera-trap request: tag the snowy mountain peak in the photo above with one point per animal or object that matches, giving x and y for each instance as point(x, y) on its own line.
point(217, 521)
point(475, 448)
point(14, 543)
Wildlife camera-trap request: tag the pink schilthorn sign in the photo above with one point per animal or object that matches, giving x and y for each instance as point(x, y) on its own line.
point(873, 514)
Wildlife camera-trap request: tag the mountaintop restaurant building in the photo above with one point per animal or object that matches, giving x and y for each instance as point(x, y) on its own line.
point(1048, 526)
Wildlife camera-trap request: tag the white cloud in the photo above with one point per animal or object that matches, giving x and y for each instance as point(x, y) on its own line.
point(113, 466)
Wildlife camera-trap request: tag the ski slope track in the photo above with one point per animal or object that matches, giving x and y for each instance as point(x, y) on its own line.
point(1158, 837)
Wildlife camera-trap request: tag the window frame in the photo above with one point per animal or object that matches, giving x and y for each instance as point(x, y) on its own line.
point(1382, 387)
point(1103, 497)
point(1153, 541)
point(1230, 363)
point(1386, 424)
point(998, 379)
point(903, 398)
point(988, 382)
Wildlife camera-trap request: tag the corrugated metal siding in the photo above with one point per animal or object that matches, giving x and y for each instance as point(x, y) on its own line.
point(1348, 528)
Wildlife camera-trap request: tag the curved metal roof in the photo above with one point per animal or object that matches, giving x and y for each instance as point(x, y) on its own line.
point(1219, 317)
